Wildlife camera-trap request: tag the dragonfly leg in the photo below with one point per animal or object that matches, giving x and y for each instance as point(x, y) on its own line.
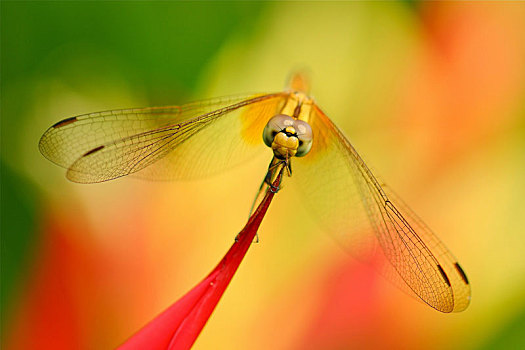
point(274, 189)
point(259, 194)
point(276, 166)
point(255, 239)
point(271, 187)
point(289, 168)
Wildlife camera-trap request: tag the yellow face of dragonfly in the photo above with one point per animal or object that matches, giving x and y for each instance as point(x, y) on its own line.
point(288, 137)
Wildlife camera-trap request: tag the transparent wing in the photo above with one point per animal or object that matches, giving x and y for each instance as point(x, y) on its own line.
point(356, 208)
point(161, 143)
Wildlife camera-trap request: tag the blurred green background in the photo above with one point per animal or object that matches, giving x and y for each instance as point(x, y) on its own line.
point(432, 93)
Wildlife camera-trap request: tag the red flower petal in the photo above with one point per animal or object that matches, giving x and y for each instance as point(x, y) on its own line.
point(179, 326)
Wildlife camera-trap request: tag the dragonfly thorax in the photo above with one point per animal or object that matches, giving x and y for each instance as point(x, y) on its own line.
point(288, 137)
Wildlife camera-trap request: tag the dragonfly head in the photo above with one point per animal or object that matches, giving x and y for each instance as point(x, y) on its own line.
point(288, 137)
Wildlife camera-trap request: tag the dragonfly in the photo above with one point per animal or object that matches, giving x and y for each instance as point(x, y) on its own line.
point(209, 136)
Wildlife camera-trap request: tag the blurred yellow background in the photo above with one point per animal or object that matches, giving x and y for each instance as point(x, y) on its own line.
point(431, 94)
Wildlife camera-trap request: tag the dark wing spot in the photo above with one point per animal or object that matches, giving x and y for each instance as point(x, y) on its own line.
point(93, 151)
point(461, 273)
point(444, 275)
point(64, 122)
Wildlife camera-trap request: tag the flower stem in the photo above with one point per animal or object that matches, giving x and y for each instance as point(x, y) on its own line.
point(179, 326)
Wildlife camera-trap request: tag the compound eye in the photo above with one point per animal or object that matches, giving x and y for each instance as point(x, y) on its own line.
point(305, 136)
point(275, 125)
